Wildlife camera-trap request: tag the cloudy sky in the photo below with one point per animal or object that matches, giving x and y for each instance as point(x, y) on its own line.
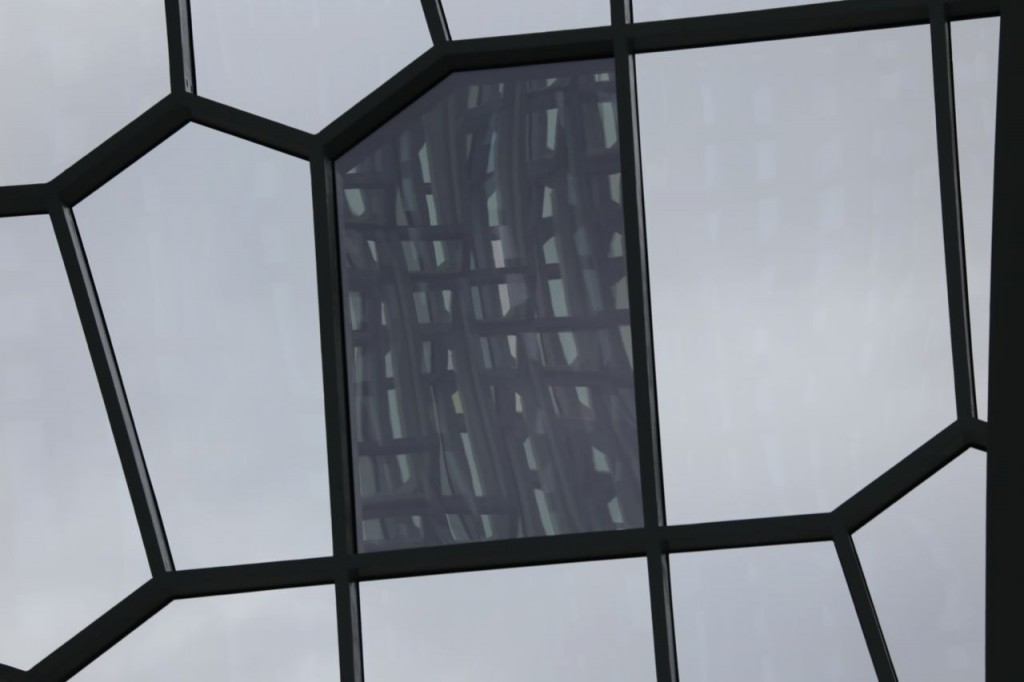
point(800, 328)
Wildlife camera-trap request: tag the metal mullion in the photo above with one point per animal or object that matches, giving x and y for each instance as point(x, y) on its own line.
point(181, 58)
point(1004, 598)
point(111, 386)
point(864, 606)
point(952, 215)
point(336, 413)
point(17, 200)
point(274, 575)
point(433, 12)
point(251, 127)
point(659, 576)
point(9, 674)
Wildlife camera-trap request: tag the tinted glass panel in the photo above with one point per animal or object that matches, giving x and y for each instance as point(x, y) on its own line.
point(476, 19)
point(766, 613)
point(649, 10)
point(252, 637)
point(302, 63)
point(583, 621)
point(924, 559)
point(975, 64)
point(490, 366)
point(203, 258)
point(796, 264)
point(63, 500)
point(72, 73)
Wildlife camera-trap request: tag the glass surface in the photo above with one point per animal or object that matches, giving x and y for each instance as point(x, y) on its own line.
point(794, 236)
point(490, 365)
point(481, 18)
point(924, 559)
point(766, 613)
point(975, 67)
point(72, 74)
point(69, 544)
point(302, 63)
point(580, 621)
point(650, 10)
point(203, 258)
point(251, 637)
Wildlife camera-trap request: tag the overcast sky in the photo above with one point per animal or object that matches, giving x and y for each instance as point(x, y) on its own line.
point(800, 326)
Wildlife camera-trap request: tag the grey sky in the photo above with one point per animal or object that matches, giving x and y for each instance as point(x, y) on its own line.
point(832, 306)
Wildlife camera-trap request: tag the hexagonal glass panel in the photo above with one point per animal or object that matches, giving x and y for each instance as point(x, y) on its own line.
point(476, 19)
point(72, 74)
point(650, 10)
point(924, 560)
point(251, 637)
point(302, 63)
point(797, 273)
point(490, 375)
point(203, 258)
point(766, 613)
point(71, 548)
point(578, 621)
point(975, 66)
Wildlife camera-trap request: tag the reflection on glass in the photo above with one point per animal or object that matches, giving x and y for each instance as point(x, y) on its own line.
point(490, 366)
point(766, 613)
point(797, 273)
point(581, 621)
point(650, 10)
point(476, 19)
point(975, 63)
point(203, 258)
point(72, 73)
point(302, 63)
point(924, 559)
point(63, 500)
point(251, 637)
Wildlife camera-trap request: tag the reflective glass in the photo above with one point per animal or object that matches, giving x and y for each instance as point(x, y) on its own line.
point(302, 62)
point(975, 66)
point(797, 274)
point(650, 10)
point(580, 621)
point(73, 73)
point(490, 363)
point(69, 544)
point(203, 258)
point(481, 18)
point(766, 613)
point(251, 637)
point(924, 559)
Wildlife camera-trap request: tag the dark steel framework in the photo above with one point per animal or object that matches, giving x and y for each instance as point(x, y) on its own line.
point(655, 541)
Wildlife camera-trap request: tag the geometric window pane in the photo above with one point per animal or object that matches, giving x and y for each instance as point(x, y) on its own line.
point(652, 10)
point(476, 19)
point(766, 613)
point(924, 560)
point(69, 544)
point(265, 636)
point(578, 621)
point(975, 63)
point(796, 263)
point(302, 63)
point(486, 300)
point(202, 252)
point(72, 73)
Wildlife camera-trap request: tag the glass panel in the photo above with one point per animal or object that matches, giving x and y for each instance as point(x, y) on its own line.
point(924, 559)
point(72, 73)
point(251, 637)
point(203, 258)
point(975, 65)
point(489, 331)
point(650, 10)
point(581, 621)
point(766, 613)
point(476, 19)
point(796, 263)
point(302, 63)
point(63, 500)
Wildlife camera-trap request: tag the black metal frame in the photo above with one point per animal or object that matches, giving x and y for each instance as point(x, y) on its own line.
point(621, 40)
